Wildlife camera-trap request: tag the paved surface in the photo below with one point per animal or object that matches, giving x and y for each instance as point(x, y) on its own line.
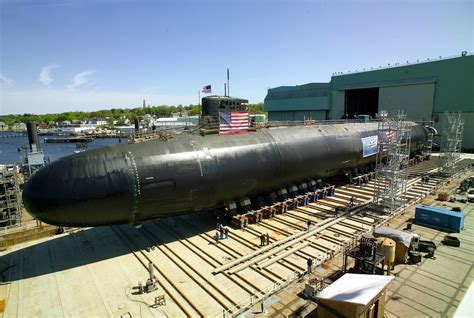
point(435, 287)
point(92, 272)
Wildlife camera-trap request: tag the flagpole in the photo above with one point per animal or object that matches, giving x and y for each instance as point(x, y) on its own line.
point(199, 102)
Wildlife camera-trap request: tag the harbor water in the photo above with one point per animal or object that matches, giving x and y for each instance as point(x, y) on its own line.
point(10, 145)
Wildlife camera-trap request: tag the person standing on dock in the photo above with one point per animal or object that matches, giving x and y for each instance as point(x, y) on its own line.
point(310, 265)
point(262, 239)
point(267, 239)
point(222, 232)
point(352, 201)
point(309, 224)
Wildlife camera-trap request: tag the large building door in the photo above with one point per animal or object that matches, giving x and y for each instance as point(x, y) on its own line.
point(362, 102)
point(415, 100)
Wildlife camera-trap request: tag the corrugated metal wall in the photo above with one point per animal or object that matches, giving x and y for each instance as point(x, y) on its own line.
point(296, 103)
point(417, 101)
point(296, 115)
point(450, 82)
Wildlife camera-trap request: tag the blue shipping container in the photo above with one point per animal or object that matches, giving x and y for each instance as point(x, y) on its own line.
point(439, 218)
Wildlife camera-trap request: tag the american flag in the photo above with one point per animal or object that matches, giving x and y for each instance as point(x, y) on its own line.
point(390, 134)
point(206, 89)
point(387, 137)
point(233, 122)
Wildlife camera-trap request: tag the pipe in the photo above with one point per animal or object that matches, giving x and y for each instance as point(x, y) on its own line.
point(33, 139)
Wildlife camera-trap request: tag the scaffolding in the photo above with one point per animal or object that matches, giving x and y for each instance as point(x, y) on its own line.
point(450, 148)
point(394, 138)
point(10, 211)
point(31, 161)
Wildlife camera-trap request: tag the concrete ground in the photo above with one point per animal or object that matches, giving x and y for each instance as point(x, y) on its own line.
point(435, 287)
point(432, 288)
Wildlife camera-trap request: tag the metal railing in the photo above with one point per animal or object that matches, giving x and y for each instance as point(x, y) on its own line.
point(389, 65)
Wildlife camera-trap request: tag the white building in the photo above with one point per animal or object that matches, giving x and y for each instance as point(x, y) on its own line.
point(176, 122)
point(125, 129)
point(75, 129)
point(19, 126)
point(96, 121)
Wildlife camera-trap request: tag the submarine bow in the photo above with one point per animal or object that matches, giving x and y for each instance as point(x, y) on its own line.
point(130, 183)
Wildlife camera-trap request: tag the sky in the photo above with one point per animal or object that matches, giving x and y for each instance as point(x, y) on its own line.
point(58, 56)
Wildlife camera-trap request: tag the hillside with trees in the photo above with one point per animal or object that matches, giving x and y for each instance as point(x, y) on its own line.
point(114, 114)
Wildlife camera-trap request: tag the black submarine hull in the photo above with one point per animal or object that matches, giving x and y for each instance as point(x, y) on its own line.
point(130, 183)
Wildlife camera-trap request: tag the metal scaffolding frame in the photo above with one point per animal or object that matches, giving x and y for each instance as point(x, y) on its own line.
point(392, 162)
point(31, 161)
point(10, 210)
point(450, 148)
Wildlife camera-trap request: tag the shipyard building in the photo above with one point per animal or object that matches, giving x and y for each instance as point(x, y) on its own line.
point(423, 90)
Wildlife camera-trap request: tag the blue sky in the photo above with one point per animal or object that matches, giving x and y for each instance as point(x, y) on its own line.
point(87, 55)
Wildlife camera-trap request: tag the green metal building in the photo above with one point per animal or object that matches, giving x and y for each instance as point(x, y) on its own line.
point(424, 91)
point(296, 103)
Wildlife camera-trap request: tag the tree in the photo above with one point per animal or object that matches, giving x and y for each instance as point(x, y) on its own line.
point(195, 110)
point(256, 108)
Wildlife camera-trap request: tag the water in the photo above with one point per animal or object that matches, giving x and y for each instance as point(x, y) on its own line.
point(9, 147)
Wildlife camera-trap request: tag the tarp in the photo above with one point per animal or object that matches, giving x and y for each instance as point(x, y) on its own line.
point(396, 235)
point(356, 288)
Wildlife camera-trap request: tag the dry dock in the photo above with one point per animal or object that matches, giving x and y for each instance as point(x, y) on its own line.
point(93, 272)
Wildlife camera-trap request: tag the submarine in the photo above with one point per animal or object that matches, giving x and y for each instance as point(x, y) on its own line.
point(131, 183)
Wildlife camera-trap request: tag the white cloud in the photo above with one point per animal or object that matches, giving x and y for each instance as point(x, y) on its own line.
point(45, 75)
point(80, 79)
point(42, 101)
point(5, 80)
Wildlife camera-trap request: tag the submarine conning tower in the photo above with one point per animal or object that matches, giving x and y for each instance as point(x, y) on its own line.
point(212, 105)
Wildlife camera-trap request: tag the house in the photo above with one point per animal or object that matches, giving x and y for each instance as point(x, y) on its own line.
point(19, 126)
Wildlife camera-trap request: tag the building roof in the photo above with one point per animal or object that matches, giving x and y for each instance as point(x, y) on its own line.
point(356, 288)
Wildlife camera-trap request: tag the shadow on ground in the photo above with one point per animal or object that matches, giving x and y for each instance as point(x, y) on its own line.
point(97, 244)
